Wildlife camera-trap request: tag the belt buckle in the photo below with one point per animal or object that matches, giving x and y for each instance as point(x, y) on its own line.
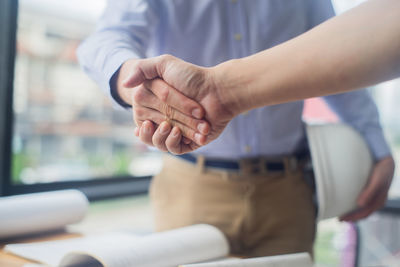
point(251, 166)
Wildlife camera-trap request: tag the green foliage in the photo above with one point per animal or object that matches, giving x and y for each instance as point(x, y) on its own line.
point(19, 162)
point(324, 252)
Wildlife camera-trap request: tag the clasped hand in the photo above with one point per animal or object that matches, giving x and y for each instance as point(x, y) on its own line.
point(169, 119)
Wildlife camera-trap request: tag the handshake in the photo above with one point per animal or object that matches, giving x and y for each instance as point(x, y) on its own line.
point(177, 106)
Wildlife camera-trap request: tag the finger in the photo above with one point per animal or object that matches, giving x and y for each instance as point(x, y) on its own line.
point(160, 136)
point(142, 97)
point(146, 133)
point(174, 98)
point(358, 215)
point(143, 113)
point(186, 141)
point(173, 141)
point(355, 216)
point(351, 214)
point(362, 212)
point(136, 131)
point(379, 181)
point(377, 185)
point(176, 146)
point(369, 191)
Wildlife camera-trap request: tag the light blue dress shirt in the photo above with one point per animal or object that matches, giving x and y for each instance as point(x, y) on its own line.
point(208, 32)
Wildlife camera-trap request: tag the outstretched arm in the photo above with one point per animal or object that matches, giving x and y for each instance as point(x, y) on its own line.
point(348, 52)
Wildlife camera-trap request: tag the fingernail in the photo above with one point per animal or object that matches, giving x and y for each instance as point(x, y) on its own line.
point(196, 113)
point(202, 127)
point(175, 132)
point(200, 139)
point(164, 128)
point(146, 128)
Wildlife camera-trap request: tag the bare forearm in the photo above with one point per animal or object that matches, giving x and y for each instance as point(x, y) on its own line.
point(356, 49)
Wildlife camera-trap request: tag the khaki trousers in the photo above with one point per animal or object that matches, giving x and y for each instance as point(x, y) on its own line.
point(261, 215)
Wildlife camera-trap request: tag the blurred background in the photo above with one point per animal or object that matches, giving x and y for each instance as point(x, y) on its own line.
point(65, 129)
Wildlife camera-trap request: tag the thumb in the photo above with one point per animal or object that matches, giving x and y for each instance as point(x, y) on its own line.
point(135, 77)
point(145, 69)
point(380, 180)
point(367, 194)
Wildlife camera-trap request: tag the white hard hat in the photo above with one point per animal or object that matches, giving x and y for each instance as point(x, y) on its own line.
point(342, 164)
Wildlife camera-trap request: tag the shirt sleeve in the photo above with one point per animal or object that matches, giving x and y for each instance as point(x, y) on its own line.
point(123, 32)
point(359, 111)
point(320, 11)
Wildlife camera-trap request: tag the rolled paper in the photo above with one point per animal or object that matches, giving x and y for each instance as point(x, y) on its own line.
point(40, 212)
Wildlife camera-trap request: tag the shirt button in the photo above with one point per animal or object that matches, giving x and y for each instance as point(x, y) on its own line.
point(238, 37)
point(234, 1)
point(247, 149)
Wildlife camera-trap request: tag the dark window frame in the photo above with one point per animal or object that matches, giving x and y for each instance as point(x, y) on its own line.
point(101, 188)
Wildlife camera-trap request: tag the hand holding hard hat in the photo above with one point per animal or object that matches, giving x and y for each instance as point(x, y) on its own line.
point(342, 166)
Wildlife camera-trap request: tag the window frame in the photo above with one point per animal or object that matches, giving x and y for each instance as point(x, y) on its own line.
point(101, 188)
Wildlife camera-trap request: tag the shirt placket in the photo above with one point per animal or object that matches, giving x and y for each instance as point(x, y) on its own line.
point(240, 49)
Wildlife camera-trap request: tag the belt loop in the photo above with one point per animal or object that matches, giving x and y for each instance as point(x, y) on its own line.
point(290, 164)
point(286, 163)
point(200, 163)
point(263, 166)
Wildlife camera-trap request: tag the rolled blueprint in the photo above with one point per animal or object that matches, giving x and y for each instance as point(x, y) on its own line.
point(40, 212)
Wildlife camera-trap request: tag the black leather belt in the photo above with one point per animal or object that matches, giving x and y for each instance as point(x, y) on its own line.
point(255, 164)
point(258, 165)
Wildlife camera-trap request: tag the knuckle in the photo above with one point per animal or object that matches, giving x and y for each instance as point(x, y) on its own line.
point(166, 57)
point(138, 122)
point(163, 94)
point(138, 95)
point(188, 105)
point(136, 67)
point(139, 112)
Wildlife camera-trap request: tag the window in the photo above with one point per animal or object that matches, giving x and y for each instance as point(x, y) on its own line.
point(64, 131)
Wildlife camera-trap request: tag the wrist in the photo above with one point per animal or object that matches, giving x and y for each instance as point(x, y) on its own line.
point(122, 93)
point(231, 86)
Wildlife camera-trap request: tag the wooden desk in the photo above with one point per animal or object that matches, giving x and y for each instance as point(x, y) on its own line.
point(7, 260)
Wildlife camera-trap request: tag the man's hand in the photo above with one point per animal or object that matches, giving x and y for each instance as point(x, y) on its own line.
point(375, 193)
point(163, 92)
point(152, 117)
